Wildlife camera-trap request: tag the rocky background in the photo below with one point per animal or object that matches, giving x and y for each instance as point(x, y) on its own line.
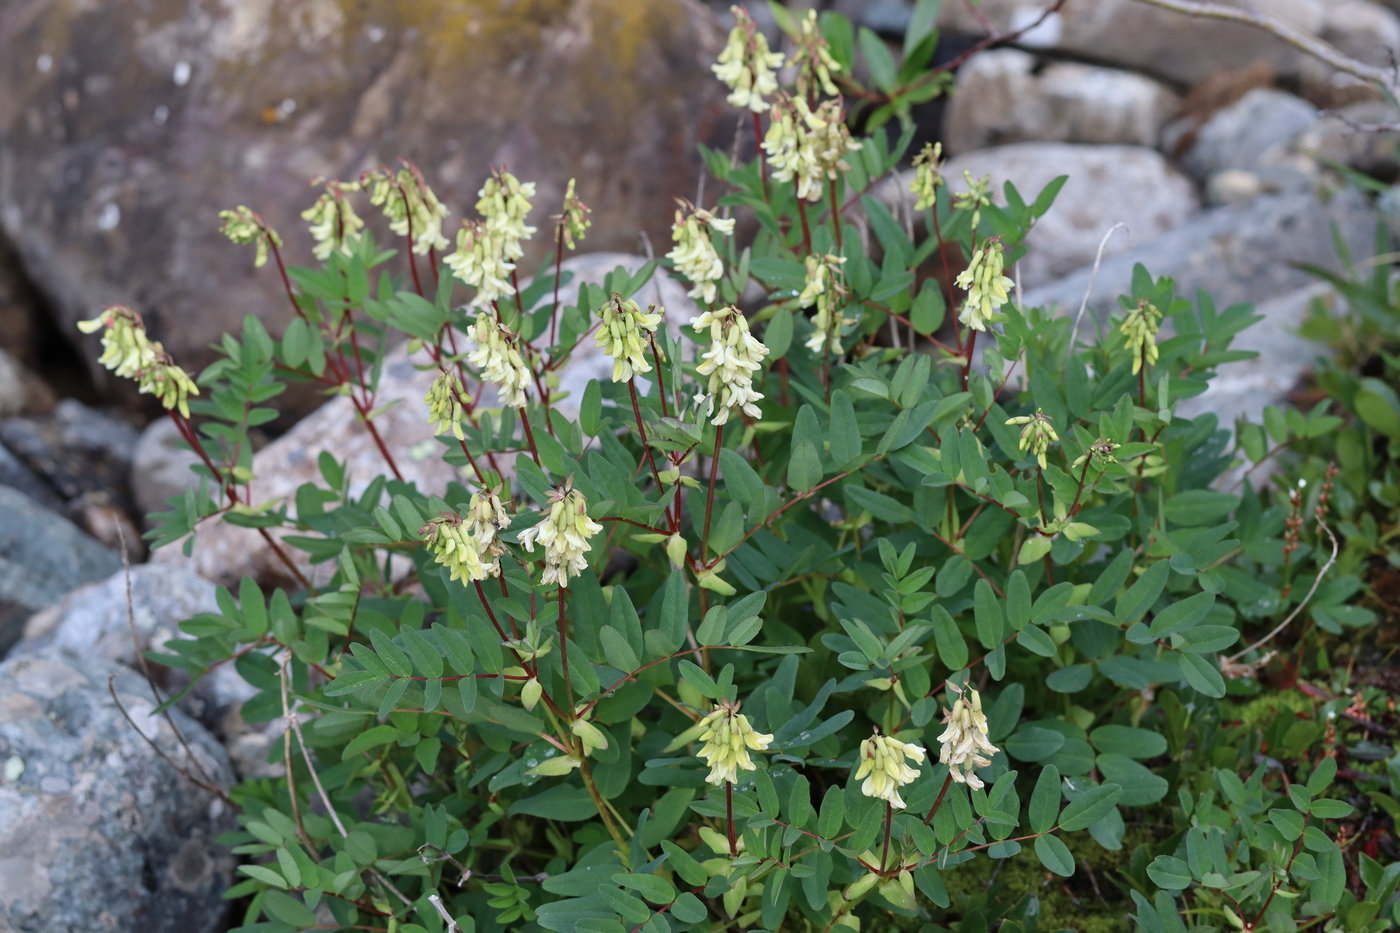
point(125, 127)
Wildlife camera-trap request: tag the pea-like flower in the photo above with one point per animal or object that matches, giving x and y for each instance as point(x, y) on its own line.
point(454, 547)
point(928, 177)
point(694, 254)
point(129, 353)
point(498, 357)
point(825, 289)
point(731, 361)
point(807, 146)
point(746, 65)
point(573, 222)
point(486, 519)
point(624, 335)
point(727, 738)
point(241, 225)
point(1100, 454)
point(334, 224)
point(480, 261)
point(413, 209)
point(1140, 327)
point(563, 532)
point(1037, 435)
point(446, 399)
point(987, 288)
point(813, 60)
point(964, 744)
point(974, 198)
point(504, 204)
point(884, 766)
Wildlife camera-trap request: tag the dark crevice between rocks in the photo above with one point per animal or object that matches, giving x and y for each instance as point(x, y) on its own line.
point(30, 332)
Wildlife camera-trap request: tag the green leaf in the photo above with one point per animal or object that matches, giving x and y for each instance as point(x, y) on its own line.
point(777, 336)
point(390, 653)
point(264, 874)
point(689, 909)
point(1169, 873)
point(1128, 741)
point(1323, 775)
point(929, 308)
point(1202, 674)
point(1377, 404)
point(1181, 615)
point(590, 410)
point(282, 906)
point(1054, 855)
point(1034, 548)
point(1089, 807)
point(805, 467)
point(878, 59)
point(685, 864)
point(1035, 640)
point(1140, 786)
point(1045, 800)
point(1139, 597)
point(652, 887)
point(987, 614)
point(878, 505)
point(564, 802)
point(1328, 809)
point(370, 738)
point(1070, 679)
point(1032, 743)
point(845, 436)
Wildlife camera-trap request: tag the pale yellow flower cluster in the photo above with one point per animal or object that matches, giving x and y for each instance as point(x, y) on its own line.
point(486, 519)
point(727, 738)
point(411, 206)
point(241, 225)
point(445, 400)
point(987, 288)
point(813, 59)
point(964, 744)
point(694, 255)
point(1140, 327)
point(883, 766)
point(563, 532)
point(453, 546)
point(128, 352)
point(731, 361)
point(497, 356)
point(624, 335)
point(479, 261)
point(808, 146)
point(746, 65)
point(574, 221)
point(1037, 435)
point(825, 289)
point(504, 204)
point(928, 177)
point(334, 224)
point(974, 198)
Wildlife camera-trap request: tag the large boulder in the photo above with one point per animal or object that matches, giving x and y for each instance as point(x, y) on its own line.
point(226, 553)
point(125, 127)
point(97, 830)
point(42, 557)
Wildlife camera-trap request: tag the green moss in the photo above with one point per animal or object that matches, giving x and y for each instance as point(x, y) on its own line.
point(1262, 710)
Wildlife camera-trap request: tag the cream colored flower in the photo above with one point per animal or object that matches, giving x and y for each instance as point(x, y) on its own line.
point(964, 744)
point(727, 738)
point(812, 59)
point(129, 353)
point(497, 356)
point(453, 546)
point(445, 400)
point(1140, 327)
point(170, 384)
point(974, 198)
point(574, 222)
point(504, 204)
point(413, 209)
point(883, 766)
point(733, 357)
point(480, 262)
point(243, 226)
point(563, 532)
point(825, 289)
point(927, 176)
point(334, 224)
point(987, 288)
point(486, 518)
point(1037, 435)
point(746, 65)
point(624, 335)
point(694, 254)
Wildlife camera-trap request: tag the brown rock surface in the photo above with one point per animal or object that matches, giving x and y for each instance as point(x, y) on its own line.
point(125, 127)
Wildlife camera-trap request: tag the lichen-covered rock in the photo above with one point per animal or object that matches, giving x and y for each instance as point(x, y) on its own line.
point(1251, 134)
point(97, 832)
point(226, 553)
point(125, 127)
point(42, 557)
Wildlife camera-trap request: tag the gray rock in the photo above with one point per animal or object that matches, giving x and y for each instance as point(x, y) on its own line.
point(78, 450)
point(226, 553)
point(1363, 30)
point(1251, 133)
point(42, 557)
point(1003, 97)
point(13, 393)
point(1344, 137)
point(16, 474)
point(1239, 253)
point(887, 17)
point(97, 832)
point(1107, 184)
point(161, 467)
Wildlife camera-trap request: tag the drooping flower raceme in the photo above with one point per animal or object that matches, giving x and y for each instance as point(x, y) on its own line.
point(486, 518)
point(480, 262)
point(885, 769)
point(727, 738)
point(1140, 327)
point(974, 198)
point(334, 224)
point(733, 357)
point(694, 255)
point(624, 335)
point(747, 65)
point(927, 176)
point(812, 59)
point(128, 352)
point(497, 356)
point(563, 532)
point(452, 545)
point(1037, 435)
point(445, 400)
point(504, 204)
point(964, 744)
point(412, 208)
point(807, 146)
point(987, 288)
point(241, 225)
point(825, 289)
point(573, 222)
